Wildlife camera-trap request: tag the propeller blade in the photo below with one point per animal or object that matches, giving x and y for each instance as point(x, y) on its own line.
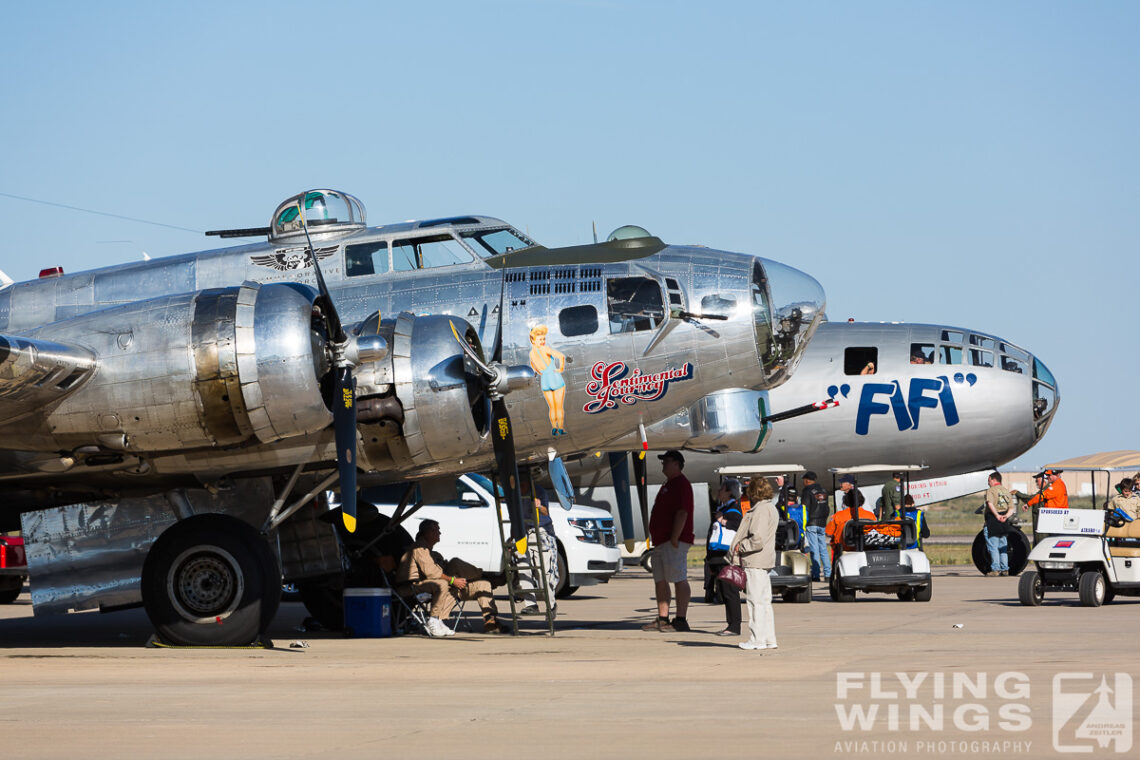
point(506, 467)
point(471, 354)
point(642, 490)
point(619, 475)
point(562, 485)
point(344, 429)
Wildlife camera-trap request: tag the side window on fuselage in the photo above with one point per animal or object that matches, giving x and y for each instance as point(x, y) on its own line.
point(635, 304)
point(860, 360)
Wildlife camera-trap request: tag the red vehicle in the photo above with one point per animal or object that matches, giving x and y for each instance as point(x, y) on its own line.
point(13, 568)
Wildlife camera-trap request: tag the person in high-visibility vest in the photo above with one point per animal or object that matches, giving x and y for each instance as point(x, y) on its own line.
point(794, 511)
point(911, 512)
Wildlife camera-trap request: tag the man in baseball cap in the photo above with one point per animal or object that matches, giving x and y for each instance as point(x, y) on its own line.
point(671, 535)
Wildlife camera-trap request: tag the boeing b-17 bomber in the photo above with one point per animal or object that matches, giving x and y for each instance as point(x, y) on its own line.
point(165, 425)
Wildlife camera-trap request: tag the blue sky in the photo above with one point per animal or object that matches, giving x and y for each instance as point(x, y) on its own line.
point(967, 163)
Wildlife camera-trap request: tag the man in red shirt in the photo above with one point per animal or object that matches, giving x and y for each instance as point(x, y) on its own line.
point(671, 535)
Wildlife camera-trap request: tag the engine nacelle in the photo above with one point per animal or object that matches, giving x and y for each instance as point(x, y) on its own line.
point(426, 385)
point(208, 368)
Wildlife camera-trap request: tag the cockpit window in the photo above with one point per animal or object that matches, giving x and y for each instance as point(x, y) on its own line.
point(428, 252)
point(982, 341)
point(952, 336)
point(949, 354)
point(494, 242)
point(635, 304)
point(366, 258)
point(980, 358)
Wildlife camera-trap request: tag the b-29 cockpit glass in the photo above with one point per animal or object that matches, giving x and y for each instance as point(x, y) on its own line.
point(494, 242)
point(635, 304)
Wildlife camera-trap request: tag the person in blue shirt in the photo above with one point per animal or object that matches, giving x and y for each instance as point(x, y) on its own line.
point(723, 529)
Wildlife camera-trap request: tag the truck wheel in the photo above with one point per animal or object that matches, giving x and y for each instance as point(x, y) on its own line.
point(923, 593)
point(803, 595)
point(1030, 589)
point(1091, 588)
point(10, 589)
point(211, 580)
point(564, 590)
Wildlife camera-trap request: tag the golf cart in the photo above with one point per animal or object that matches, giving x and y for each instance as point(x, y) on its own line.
point(875, 560)
point(791, 577)
point(1091, 551)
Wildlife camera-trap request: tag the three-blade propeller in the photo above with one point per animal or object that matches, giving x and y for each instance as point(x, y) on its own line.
point(344, 401)
point(498, 380)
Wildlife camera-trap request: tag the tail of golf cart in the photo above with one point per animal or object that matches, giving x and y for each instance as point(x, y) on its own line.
point(1093, 552)
point(876, 559)
point(791, 577)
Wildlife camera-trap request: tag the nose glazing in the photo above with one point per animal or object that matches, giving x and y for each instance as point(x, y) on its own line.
point(787, 307)
point(1046, 397)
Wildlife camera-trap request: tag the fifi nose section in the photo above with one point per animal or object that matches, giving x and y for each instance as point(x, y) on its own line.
point(1046, 397)
point(787, 307)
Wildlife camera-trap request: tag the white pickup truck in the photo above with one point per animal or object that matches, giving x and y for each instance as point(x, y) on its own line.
point(587, 544)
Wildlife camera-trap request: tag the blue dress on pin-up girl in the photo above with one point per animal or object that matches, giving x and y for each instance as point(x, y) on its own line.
point(551, 378)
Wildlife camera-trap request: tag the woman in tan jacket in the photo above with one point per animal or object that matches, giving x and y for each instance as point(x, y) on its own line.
point(754, 548)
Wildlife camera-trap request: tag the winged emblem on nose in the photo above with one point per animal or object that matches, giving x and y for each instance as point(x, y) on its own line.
point(286, 259)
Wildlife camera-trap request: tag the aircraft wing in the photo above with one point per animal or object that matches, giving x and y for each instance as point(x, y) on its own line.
point(34, 373)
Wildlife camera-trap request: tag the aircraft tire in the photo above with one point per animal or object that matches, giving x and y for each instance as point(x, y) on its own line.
point(1030, 590)
point(10, 591)
point(564, 590)
point(211, 580)
point(1092, 588)
point(1017, 552)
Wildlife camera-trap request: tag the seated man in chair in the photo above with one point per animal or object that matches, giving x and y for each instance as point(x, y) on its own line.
point(423, 570)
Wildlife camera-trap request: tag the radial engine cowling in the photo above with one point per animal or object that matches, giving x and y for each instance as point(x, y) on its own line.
point(208, 368)
point(427, 385)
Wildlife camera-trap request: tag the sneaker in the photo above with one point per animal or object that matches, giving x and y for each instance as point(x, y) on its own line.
point(988, 573)
point(1002, 573)
point(749, 645)
point(767, 646)
point(530, 609)
point(659, 625)
point(728, 632)
point(436, 628)
point(680, 624)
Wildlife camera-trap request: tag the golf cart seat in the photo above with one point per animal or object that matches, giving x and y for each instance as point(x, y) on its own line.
point(1128, 530)
point(877, 535)
point(787, 536)
point(1123, 539)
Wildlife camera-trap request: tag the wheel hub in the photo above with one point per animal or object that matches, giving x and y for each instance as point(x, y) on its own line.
point(205, 583)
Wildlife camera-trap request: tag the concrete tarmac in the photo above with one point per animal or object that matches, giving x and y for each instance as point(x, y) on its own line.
point(970, 673)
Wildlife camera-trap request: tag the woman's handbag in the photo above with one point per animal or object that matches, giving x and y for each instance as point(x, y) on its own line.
point(733, 574)
point(720, 538)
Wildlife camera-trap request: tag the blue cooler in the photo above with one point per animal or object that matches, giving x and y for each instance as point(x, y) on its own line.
point(368, 612)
